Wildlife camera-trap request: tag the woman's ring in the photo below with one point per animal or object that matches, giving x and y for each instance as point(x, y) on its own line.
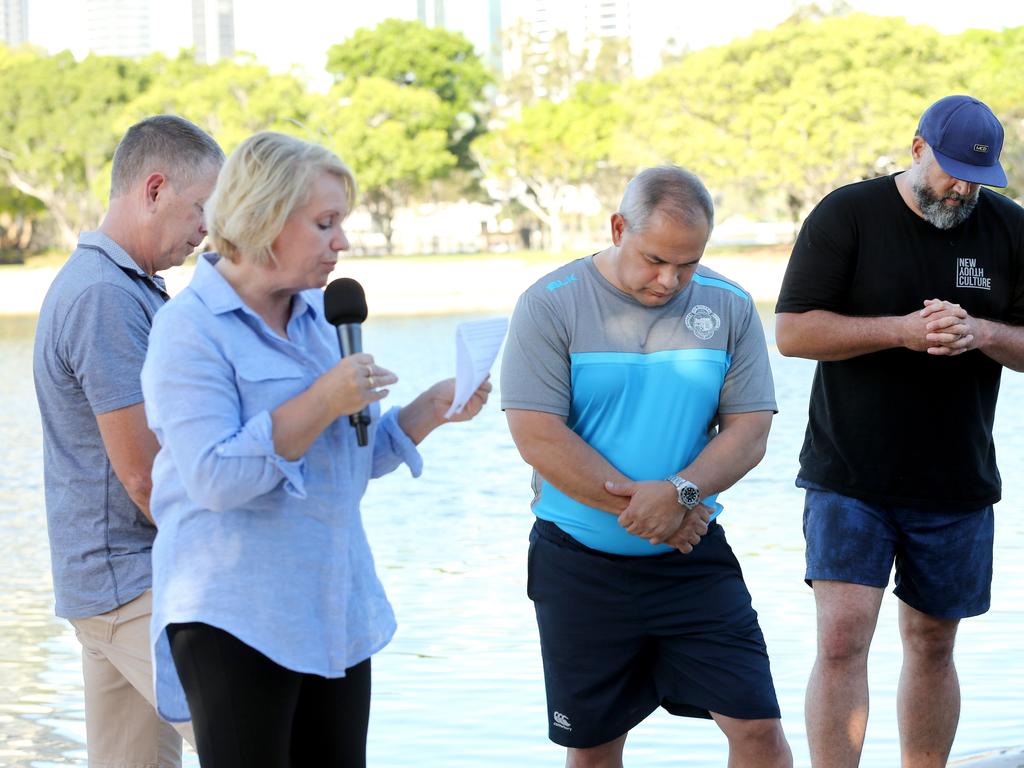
point(369, 380)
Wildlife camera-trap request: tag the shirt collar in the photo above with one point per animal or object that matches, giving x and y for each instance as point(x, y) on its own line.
point(219, 297)
point(99, 241)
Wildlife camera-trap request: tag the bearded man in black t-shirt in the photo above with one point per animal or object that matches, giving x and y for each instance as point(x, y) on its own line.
point(909, 291)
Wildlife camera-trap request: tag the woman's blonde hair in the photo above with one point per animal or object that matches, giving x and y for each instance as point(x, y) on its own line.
point(267, 177)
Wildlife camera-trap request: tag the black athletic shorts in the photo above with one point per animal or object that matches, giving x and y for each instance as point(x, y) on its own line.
point(623, 635)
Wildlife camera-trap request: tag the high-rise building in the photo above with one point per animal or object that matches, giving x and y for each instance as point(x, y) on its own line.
point(213, 30)
point(648, 26)
point(480, 22)
point(582, 20)
point(13, 22)
point(606, 18)
point(430, 12)
point(118, 27)
point(493, 54)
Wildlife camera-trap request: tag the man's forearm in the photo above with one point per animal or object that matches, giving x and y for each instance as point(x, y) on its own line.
point(565, 460)
point(738, 447)
point(578, 471)
point(131, 448)
point(821, 335)
point(1003, 343)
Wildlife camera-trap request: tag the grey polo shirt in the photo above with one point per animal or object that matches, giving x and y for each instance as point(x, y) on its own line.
point(90, 345)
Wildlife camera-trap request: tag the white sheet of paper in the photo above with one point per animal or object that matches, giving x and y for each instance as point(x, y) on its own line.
point(476, 346)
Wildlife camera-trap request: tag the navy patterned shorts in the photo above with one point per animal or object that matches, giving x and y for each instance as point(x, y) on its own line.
point(943, 559)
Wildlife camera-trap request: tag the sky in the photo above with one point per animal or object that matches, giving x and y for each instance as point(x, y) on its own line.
point(300, 37)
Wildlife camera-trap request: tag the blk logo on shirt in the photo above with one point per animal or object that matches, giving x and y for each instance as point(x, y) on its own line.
point(970, 275)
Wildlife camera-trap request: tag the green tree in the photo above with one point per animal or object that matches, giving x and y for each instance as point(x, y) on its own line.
point(230, 100)
point(556, 145)
point(997, 61)
point(414, 56)
point(392, 137)
point(785, 115)
point(542, 157)
point(19, 214)
point(539, 68)
point(550, 67)
point(58, 130)
point(611, 60)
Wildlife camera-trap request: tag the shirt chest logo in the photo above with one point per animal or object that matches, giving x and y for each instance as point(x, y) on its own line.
point(703, 322)
point(970, 275)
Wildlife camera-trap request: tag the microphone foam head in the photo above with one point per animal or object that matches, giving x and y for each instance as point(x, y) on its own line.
point(344, 302)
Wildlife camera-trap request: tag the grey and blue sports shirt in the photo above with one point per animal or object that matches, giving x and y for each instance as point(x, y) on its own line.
point(641, 385)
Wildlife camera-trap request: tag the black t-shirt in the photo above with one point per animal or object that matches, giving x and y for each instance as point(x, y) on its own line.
point(900, 426)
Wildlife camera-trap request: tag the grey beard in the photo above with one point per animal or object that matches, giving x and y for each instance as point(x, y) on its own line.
point(937, 213)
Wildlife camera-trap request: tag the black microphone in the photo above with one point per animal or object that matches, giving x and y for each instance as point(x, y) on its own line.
point(345, 309)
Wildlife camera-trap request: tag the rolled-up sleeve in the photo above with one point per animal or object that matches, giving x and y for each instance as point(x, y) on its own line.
point(193, 407)
point(256, 440)
point(393, 447)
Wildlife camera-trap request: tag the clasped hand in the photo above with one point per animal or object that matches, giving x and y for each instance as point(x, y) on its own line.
point(654, 513)
point(942, 328)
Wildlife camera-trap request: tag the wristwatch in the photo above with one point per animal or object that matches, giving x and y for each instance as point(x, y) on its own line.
point(687, 493)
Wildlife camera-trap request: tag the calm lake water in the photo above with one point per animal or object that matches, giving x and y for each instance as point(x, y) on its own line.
point(461, 683)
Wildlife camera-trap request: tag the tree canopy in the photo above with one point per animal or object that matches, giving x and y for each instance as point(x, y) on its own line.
point(415, 56)
point(58, 130)
point(771, 121)
point(787, 114)
point(393, 137)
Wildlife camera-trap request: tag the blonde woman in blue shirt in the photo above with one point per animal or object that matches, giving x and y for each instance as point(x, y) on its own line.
point(267, 606)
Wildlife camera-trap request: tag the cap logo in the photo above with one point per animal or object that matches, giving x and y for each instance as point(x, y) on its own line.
point(981, 147)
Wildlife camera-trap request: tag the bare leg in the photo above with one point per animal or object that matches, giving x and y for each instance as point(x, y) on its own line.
point(755, 743)
point(608, 755)
point(836, 706)
point(929, 694)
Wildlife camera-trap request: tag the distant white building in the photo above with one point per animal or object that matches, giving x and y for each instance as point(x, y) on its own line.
point(118, 27)
point(13, 22)
point(650, 26)
point(213, 30)
point(137, 28)
point(607, 18)
point(585, 22)
point(479, 21)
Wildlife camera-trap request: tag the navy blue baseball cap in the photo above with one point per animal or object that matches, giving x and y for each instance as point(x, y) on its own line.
point(966, 138)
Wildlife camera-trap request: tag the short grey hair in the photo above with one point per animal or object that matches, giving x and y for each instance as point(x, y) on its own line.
point(167, 144)
point(267, 177)
point(670, 189)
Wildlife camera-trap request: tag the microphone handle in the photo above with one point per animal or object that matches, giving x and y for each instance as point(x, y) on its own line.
point(350, 338)
point(350, 341)
point(361, 421)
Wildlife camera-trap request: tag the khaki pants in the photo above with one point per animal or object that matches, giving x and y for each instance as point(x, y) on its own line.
point(122, 727)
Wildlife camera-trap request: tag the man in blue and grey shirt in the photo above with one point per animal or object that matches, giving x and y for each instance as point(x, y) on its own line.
point(636, 383)
point(98, 452)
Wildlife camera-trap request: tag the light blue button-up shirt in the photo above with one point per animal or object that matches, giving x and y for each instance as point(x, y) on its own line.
point(272, 551)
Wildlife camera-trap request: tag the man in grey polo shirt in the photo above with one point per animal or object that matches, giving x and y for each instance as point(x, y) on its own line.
point(97, 450)
point(636, 383)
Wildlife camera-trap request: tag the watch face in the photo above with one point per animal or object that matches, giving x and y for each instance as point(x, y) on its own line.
point(689, 495)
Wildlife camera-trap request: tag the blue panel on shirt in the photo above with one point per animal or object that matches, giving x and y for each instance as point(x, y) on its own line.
point(715, 282)
point(649, 415)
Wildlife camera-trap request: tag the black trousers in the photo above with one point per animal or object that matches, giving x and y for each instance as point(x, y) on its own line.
point(248, 711)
